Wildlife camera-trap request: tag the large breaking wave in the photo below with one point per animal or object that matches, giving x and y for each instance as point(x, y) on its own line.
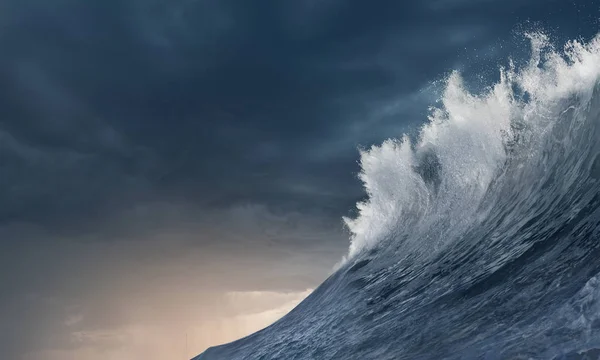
point(479, 240)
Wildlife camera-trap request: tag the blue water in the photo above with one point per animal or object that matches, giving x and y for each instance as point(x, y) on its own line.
point(480, 240)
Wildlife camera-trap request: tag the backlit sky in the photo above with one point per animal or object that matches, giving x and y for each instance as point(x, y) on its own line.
point(173, 167)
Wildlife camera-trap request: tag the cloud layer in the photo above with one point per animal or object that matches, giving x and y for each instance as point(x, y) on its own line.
point(226, 102)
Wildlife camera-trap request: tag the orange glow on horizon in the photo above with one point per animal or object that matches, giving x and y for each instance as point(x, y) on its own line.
point(186, 336)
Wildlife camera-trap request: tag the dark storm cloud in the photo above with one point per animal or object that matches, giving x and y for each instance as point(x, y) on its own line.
point(219, 102)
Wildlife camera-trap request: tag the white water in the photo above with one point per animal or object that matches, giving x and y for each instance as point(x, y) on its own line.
point(473, 136)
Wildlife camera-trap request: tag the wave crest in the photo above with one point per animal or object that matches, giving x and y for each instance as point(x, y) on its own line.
point(478, 152)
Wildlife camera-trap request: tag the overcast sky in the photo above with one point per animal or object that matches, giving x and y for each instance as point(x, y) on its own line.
point(169, 165)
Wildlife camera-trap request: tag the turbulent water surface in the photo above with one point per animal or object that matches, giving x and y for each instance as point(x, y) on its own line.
point(479, 240)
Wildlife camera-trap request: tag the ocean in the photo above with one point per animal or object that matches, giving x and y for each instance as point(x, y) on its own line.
point(480, 237)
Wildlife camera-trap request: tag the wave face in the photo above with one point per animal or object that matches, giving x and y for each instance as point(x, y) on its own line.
point(479, 240)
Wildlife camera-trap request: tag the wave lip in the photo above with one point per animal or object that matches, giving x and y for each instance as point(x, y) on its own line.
point(471, 138)
point(481, 239)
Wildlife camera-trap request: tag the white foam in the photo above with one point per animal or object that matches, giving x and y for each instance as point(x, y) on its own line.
point(470, 135)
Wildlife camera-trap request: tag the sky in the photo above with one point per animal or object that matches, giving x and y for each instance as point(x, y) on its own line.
point(173, 173)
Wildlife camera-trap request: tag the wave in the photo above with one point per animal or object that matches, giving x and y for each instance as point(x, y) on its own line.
point(476, 145)
point(481, 239)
